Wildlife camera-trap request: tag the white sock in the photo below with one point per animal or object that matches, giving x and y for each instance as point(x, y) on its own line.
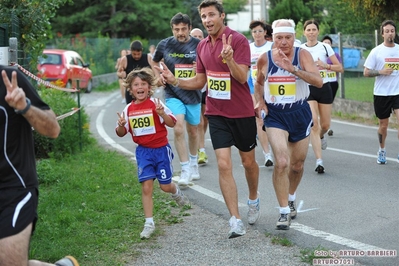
point(185, 166)
point(381, 149)
point(291, 197)
point(149, 220)
point(202, 149)
point(193, 159)
point(285, 210)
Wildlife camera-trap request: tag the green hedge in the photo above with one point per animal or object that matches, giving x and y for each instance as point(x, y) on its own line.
point(70, 139)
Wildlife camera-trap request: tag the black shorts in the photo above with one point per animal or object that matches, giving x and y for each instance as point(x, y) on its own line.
point(321, 95)
point(384, 105)
point(203, 97)
point(334, 88)
point(226, 132)
point(18, 209)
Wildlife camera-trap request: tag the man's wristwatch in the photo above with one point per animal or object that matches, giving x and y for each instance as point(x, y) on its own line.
point(296, 69)
point(22, 112)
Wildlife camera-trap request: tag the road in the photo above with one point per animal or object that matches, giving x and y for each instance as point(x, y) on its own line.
point(352, 206)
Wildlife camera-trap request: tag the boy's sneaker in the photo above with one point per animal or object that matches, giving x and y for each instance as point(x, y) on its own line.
point(184, 178)
point(180, 198)
point(202, 157)
point(67, 261)
point(319, 167)
point(194, 172)
point(149, 228)
point(292, 206)
point(236, 227)
point(382, 157)
point(323, 143)
point(284, 221)
point(330, 132)
point(253, 211)
point(268, 160)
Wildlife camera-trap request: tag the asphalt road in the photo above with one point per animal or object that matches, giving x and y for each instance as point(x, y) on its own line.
point(352, 206)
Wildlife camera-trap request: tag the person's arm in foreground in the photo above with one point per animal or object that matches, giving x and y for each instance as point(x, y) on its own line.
point(43, 121)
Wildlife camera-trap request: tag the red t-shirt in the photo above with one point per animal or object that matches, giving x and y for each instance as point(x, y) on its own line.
point(148, 129)
point(225, 95)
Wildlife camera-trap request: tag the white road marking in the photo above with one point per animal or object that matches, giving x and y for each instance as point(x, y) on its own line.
point(299, 227)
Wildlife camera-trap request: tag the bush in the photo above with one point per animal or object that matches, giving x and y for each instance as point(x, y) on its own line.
point(70, 139)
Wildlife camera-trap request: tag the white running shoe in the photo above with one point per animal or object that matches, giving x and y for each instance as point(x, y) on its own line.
point(323, 143)
point(268, 160)
point(184, 178)
point(236, 227)
point(180, 198)
point(149, 228)
point(253, 211)
point(194, 172)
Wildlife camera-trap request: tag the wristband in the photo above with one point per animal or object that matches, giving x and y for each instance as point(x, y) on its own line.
point(22, 112)
point(176, 84)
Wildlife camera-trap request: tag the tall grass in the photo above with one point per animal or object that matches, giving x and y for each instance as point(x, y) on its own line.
point(359, 89)
point(90, 207)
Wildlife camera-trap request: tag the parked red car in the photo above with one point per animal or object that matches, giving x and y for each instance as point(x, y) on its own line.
point(65, 67)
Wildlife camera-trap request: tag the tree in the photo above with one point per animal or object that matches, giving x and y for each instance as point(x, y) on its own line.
point(375, 10)
point(294, 9)
point(33, 21)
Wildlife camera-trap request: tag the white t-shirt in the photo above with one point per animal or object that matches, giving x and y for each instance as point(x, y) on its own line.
point(322, 52)
point(383, 57)
point(256, 51)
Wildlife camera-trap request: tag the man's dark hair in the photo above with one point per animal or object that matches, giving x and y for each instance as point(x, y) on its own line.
point(387, 22)
point(136, 46)
point(208, 3)
point(180, 18)
point(327, 38)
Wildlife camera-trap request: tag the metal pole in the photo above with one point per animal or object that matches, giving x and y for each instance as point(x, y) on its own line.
point(341, 76)
point(263, 9)
point(376, 37)
point(79, 116)
point(252, 10)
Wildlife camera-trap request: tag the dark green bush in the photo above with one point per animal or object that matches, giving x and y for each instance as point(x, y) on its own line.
point(71, 139)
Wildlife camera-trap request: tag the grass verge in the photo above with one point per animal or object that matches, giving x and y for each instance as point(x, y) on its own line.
point(90, 207)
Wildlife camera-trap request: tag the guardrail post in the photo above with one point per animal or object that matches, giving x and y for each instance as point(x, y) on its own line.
point(79, 116)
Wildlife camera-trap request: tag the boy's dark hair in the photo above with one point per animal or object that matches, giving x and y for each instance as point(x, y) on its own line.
point(180, 18)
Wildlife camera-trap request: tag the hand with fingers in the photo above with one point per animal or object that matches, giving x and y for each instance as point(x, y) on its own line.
point(121, 119)
point(283, 61)
point(15, 96)
point(227, 51)
point(166, 75)
point(159, 107)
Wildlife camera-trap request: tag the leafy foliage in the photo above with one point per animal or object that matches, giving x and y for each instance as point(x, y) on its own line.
point(73, 134)
point(375, 10)
point(294, 9)
point(33, 21)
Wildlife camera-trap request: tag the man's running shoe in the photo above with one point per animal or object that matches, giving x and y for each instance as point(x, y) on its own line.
point(268, 160)
point(236, 227)
point(184, 178)
point(67, 261)
point(330, 132)
point(323, 143)
point(180, 198)
point(319, 167)
point(202, 158)
point(292, 206)
point(284, 221)
point(194, 172)
point(253, 211)
point(382, 157)
point(149, 228)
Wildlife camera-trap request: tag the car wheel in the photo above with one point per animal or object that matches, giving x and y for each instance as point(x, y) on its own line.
point(89, 86)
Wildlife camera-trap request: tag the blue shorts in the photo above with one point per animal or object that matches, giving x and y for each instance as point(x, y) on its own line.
point(296, 120)
point(155, 163)
point(191, 112)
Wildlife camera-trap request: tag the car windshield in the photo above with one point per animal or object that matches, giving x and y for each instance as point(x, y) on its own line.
point(50, 59)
